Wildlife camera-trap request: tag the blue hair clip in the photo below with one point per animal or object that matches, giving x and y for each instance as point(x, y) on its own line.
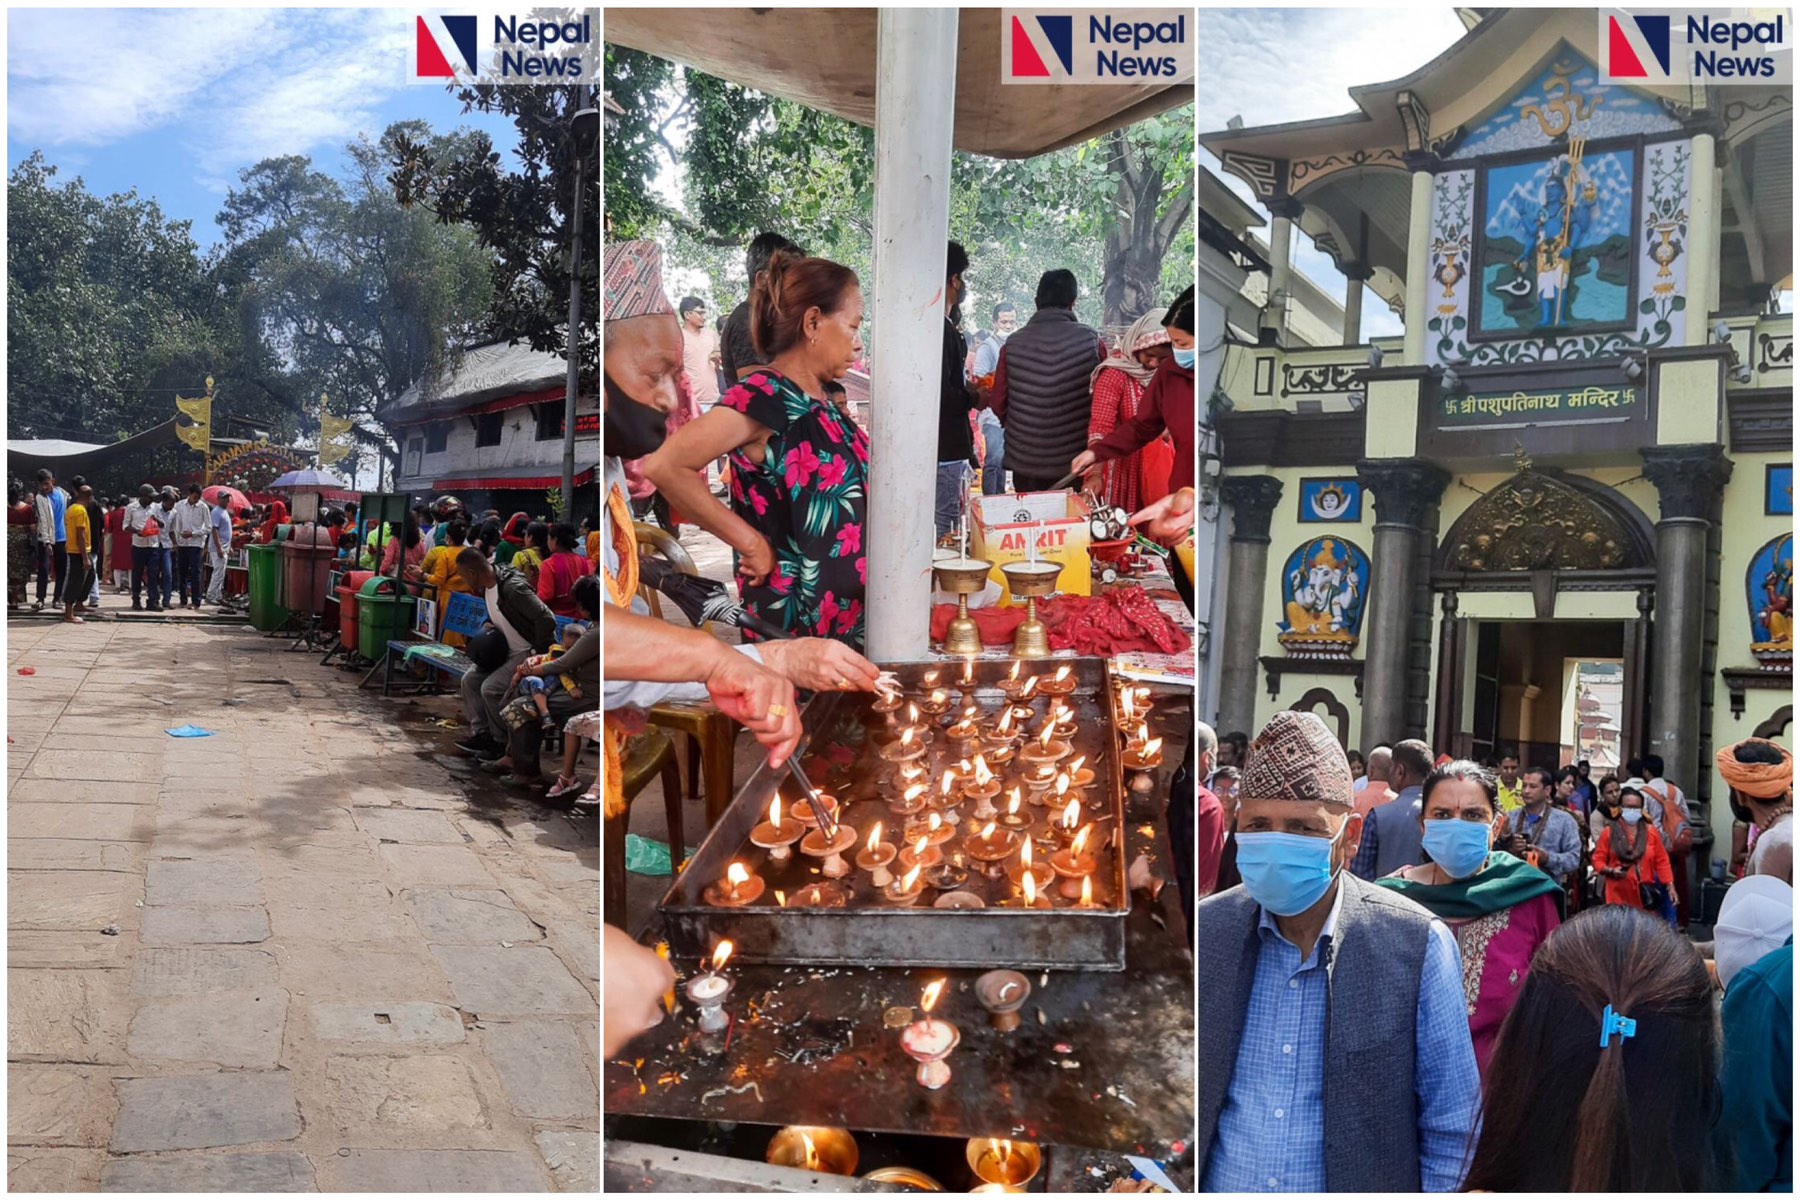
point(1611, 1022)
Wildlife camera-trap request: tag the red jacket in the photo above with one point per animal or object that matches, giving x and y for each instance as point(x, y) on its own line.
point(1167, 405)
point(1652, 867)
point(1209, 830)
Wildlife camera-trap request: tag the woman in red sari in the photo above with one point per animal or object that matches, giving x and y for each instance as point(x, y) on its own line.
point(119, 561)
point(556, 578)
point(278, 516)
point(512, 539)
point(1141, 478)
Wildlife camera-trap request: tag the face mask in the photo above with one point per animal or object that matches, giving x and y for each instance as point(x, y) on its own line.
point(1185, 358)
point(1633, 815)
point(632, 430)
point(1460, 847)
point(1286, 873)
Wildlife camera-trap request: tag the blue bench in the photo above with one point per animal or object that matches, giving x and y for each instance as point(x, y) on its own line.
point(465, 614)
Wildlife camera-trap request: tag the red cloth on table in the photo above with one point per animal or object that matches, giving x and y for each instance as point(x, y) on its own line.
point(1093, 626)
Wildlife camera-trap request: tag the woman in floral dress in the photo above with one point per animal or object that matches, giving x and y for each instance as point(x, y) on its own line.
point(799, 464)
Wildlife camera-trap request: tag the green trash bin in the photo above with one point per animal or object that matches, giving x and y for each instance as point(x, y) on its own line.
point(381, 617)
point(266, 612)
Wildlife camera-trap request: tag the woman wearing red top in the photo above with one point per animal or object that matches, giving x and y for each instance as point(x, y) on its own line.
point(412, 567)
point(21, 523)
point(1168, 405)
point(1142, 477)
point(556, 578)
point(278, 515)
point(1630, 853)
point(119, 562)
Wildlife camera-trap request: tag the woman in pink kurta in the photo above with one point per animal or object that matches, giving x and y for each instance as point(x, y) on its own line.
point(1500, 908)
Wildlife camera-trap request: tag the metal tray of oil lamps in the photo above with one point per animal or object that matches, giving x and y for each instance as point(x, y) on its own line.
point(790, 912)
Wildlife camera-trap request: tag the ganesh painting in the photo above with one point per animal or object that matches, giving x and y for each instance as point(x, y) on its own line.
point(1770, 584)
point(1325, 587)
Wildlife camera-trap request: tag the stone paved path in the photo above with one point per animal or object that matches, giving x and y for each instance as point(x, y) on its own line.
point(342, 961)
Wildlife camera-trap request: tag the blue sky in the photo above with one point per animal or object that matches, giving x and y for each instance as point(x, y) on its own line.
point(193, 96)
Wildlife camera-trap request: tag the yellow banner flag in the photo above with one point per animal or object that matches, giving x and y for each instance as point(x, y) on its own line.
point(331, 428)
point(196, 431)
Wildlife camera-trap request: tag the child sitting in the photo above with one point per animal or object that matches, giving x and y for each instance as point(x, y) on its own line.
point(537, 686)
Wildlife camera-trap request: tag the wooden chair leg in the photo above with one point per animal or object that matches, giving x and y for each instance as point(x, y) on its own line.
point(693, 766)
point(672, 801)
point(612, 870)
point(716, 756)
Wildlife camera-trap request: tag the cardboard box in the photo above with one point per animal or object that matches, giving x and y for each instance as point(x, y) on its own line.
point(1005, 525)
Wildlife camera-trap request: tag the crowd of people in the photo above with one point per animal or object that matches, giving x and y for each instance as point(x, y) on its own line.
point(1428, 974)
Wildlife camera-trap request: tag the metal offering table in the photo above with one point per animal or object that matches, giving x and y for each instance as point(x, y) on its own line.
point(786, 908)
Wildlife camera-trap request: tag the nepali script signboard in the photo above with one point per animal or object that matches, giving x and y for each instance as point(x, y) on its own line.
point(1559, 406)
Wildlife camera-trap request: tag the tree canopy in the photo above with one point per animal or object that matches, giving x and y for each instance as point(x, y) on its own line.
point(1118, 210)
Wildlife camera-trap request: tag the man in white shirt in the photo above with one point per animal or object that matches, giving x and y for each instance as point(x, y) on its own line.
point(191, 526)
point(218, 548)
point(143, 521)
point(165, 543)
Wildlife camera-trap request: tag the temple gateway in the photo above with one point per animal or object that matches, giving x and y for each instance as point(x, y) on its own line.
point(1556, 515)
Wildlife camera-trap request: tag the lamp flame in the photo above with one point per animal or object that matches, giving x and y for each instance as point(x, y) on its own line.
point(812, 1154)
point(987, 832)
point(1030, 687)
point(1012, 676)
point(1004, 725)
point(875, 837)
point(1062, 786)
point(939, 697)
point(1012, 803)
point(983, 776)
point(932, 990)
point(909, 879)
point(775, 811)
point(1028, 883)
point(1062, 673)
point(1072, 814)
point(1080, 842)
point(913, 793)
point(1075, 765)
point(780, 898)
point(1025, 855)
point(1152, 746)
point(933, 822)
point(737, 875)
point(1049, 732)
point(949, 781)
point(721, 953)
point(906, 737)
point(1087, 891)
point(912, 714)
point(922, 845)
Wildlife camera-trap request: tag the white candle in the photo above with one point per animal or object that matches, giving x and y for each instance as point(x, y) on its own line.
point(706, 986)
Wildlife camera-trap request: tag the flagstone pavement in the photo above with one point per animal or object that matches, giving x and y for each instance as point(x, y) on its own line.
point(313, 952)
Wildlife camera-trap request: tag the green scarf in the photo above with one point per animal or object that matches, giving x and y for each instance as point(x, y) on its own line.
point(1505, 882)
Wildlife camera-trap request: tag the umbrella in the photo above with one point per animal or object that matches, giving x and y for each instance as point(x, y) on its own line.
point(235, 500)
point(309, 479)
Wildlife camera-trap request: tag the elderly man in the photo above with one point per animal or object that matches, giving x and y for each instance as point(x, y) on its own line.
point(1761, 777)
point(1391, 831)
point(1334, 1039)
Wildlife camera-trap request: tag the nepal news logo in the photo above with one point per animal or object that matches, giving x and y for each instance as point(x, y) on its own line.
point(440, 40)
point(1720, 46)
point(1127, 46)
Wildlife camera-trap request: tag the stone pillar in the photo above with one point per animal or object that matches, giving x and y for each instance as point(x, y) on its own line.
point(1702, 240)
point(1689, 482)
point(1252, 499)
point(1286, 211)
point(1406, 492)
point(1356, 275)
point(1418, 262)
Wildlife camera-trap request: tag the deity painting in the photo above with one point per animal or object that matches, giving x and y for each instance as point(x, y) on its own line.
point(1558, 243)
point(1771, 593)
point(1324, 589)
point(1330, 500)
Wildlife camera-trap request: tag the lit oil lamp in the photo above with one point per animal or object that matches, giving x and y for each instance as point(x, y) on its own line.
point(738, 888)
point(822, 1148)
point(827, 893)
point(931, 826)
point(982, 787)
point(936, 704)
point(875, 856)
point(908, 747)
point(964, 733)
point(912, 800)
point(1038, 777)
point(1060, 682)
point(911, 773)
point(1061, 719)
point(1029, 689)
point(778, 834)
point(1002, 1164)
point(1045, 747)
point(830, 849)
point(1040, 873)
point(1030, 895)
point(1012, 818)
point(905, 890)
point(991, 847)
point(1075, 864)
point(920, 853)
point(801, 810)
point(1002, 993)
point(949, 793)
point(1087, 893)
point(959, 900)
point(1011, 686)
point(888, 695)
point(709, 990)
point(965, 682)
point(950, 874)
point(929, 1041)
point(1144, 757)
point(998, 754)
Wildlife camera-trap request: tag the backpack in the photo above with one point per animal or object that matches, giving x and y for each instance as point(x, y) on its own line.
point(1680, 838)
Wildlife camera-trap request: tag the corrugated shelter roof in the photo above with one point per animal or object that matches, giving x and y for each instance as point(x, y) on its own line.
point(486, 373)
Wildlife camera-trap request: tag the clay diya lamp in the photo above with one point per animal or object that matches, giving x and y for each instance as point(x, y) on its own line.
point(1030, 865)
point(738, 888)
point(948, 794)
point(1002, 993)
point(981, 787)
point(889, 699)
point(959, 900)
point(907, 774)
point(929, 1041)
point(1002, 730)
point(909, 747)
point(1143, 756)
point(904, 891)
point(875, 856)
point(830, 849)
point(1002, 1164)
point(1075, 864)
point(921, 853)
point(931, 827)
point(1013, 818)
point(1060, 682)
point(963, 735)
point(935, 703)
point(1061, 719)
point(1045, 748)
point(825, 894)
point(1012, 685)
point(822, 1148)
point(1038, 779)
point(950, 874)
point(998, 754)
point(1030, 895)
point(801, 810)
point(777, 834)
point(912, 800)
point(1087, 894)
point(991, 847)
point(965, 679)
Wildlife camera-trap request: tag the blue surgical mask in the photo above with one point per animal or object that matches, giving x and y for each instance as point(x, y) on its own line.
point(1286, 873)
point(1460, 847)
point(1185, 358)
point(1633, 815)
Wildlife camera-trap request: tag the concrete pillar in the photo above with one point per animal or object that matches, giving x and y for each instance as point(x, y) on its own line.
point(1689, 482)
point(1286, 211)
point(1252, 499)
point(1418, 267)
point(1703, 241)
point(915, 102)
point(1356, 276)
point(1406, 493)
